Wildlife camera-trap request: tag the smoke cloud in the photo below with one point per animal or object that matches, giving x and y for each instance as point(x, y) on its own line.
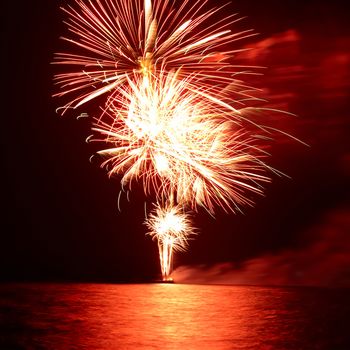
point(323, 261)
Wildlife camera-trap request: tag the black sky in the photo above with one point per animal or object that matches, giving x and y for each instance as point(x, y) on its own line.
point(59, 212)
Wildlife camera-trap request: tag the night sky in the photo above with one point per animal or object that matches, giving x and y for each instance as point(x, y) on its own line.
point(60, 219)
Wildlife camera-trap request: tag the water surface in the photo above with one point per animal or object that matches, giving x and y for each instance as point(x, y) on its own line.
point(172, 316)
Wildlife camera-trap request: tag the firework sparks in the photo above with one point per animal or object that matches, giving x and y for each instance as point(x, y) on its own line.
point(173, 115)
point(116, 39)
point(172, 228)
point(180, 144)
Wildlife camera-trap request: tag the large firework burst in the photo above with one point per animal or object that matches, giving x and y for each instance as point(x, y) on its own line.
point(179, 144)
point(174, 108)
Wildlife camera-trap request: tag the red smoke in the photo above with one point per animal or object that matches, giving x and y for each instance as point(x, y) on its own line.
point(324, 261)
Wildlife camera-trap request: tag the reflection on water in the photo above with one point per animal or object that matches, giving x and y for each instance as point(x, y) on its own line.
point(171, 316)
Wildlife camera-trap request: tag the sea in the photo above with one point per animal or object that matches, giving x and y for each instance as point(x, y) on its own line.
point(172, 316)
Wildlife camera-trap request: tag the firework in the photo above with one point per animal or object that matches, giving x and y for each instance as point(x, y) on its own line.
point(172, 228)
point(179, 144)
point(173, 106)
point(114, 39)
